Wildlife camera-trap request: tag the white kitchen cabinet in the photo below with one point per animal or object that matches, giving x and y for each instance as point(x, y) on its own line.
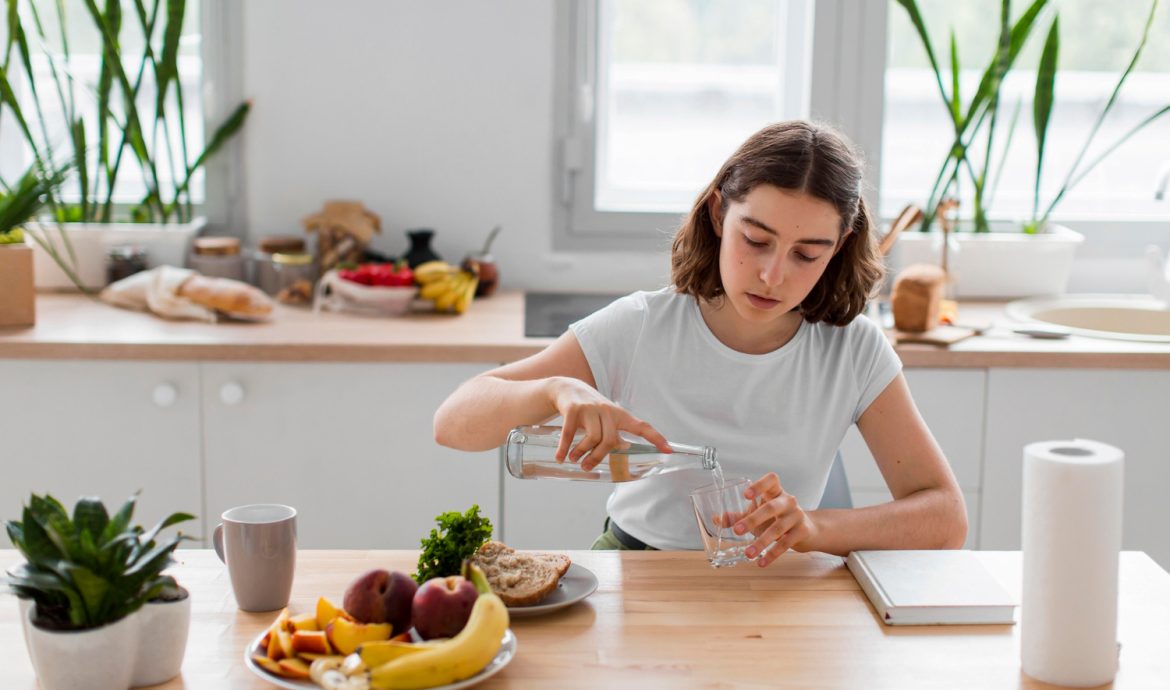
point(951, 402)
point(106, 429)
point(350, 446)
point(1126, 409)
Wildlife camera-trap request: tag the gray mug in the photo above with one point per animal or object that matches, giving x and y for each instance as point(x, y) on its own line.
point(259, 545)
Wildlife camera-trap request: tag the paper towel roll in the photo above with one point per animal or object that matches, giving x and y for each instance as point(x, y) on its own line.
point(1071, 542)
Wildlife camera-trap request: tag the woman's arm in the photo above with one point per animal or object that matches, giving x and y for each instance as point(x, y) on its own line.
point(928, 511)
point(554, 381)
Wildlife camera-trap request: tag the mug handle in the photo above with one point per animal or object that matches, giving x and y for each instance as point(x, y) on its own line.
point(217, 541)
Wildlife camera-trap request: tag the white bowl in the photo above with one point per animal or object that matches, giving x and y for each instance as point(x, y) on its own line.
point(338, 294)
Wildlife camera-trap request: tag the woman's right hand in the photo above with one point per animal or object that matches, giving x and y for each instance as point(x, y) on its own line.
point(583, 408)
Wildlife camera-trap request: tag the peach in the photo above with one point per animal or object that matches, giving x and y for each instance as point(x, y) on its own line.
point(442, 606)
point(381, 596)
point(266, 664)
point(311, 641)
point(305, 621)
point(346, 636)
point(293, 668)
point(327, 611)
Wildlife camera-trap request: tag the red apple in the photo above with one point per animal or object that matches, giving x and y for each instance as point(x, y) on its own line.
point(380, 596)
point(442, 606)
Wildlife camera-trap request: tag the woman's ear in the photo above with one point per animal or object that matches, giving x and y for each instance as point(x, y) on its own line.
point(715, 210)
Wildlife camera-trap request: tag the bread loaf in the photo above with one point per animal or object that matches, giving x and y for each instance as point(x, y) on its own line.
point(520, 579)
point(228, 296)
point(917, 293)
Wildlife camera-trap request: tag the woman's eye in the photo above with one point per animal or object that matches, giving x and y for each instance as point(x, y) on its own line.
point(753, 243)
point(806, 258)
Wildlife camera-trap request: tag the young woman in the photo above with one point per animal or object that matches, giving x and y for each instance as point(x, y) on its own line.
point(756, 349)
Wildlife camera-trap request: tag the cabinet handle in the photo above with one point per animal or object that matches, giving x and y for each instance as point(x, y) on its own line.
point(231, 393)
point(165, 394)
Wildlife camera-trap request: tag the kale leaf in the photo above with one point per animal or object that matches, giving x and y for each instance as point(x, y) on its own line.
point(458, 536)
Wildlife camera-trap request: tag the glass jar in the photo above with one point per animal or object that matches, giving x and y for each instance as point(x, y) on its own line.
point(218, 257)
point(124, 260)
point(531, 454)
point(287, 277)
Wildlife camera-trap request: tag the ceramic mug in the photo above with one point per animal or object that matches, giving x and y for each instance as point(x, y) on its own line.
point(259, 545)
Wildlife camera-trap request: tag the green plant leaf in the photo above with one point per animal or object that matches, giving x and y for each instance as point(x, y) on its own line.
point(168, 64)
point(1043, 100)
point(89, 515)
point(1075, 168)
point(117, 524)
point(222, 134)
point(956, 100)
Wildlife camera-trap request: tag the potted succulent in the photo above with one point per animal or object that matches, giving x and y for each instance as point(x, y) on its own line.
point(97, 610)
point(139, 105)
point(1004, 259)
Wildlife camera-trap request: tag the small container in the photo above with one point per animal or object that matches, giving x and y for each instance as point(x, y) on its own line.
point(287, 277)
point(531, 454)
point(124, 260)
point(218, 257)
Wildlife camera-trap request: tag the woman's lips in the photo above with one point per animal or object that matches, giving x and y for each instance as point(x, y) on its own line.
point(762, 302)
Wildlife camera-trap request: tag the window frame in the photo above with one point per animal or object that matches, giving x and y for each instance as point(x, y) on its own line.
point(576, 224)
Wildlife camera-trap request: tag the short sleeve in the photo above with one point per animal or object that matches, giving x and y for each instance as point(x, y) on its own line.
point(876, 363)
point(609, 337)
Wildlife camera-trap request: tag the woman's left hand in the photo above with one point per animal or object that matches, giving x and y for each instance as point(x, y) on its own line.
point(777, 521)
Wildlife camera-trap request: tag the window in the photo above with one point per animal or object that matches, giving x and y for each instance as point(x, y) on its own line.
point(660, 93)
point(1097, 42)
point(82, 68)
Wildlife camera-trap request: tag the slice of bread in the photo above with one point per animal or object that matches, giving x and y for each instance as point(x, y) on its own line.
point(520, 579)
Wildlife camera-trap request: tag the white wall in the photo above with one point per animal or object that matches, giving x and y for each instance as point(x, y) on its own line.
point(435, 114)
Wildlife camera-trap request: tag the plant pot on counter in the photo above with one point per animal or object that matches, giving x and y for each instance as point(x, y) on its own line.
point(997, 264)
point(98, 659)
point(17, 298)
point(144, 648)
point(165, 245)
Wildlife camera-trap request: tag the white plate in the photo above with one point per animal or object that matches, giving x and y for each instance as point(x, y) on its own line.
point(577, 583)
point(503, 657)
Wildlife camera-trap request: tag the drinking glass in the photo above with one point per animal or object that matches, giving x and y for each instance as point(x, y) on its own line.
point(717, 508)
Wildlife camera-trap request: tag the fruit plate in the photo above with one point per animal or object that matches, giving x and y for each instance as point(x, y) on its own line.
point(502, 659)
point(577, 583)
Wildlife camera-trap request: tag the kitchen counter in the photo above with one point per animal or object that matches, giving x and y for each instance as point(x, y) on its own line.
point(667, 619)
point(492, 331)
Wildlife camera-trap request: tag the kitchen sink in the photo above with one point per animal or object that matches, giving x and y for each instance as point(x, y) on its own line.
point(1116, 317)
point(548, 314)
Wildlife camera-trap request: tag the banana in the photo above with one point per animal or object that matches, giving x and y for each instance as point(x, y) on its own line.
point(431, 271)
point(457, 659)
point(446, 301)
point(468, 294)
point(435, 289)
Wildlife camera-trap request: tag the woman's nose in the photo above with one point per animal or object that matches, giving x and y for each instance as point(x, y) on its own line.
point(772, 272)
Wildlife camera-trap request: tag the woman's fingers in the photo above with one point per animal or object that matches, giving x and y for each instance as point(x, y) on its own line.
point(649, 433)
point(592, 424)
point(609, 441)
point(774, 546)
point(568, 429)
point(764, 513)
point(767, 486)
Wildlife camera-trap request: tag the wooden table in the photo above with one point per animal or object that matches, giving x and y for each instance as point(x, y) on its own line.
point(668, 620)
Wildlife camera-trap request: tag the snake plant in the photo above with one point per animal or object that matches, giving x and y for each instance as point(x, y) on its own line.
point(89, 569)
point(125, 120)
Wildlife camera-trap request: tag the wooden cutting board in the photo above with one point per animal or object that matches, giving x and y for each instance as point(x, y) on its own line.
point(939, 335)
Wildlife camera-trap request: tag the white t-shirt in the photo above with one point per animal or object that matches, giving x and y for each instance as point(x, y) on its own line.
point(785, 411)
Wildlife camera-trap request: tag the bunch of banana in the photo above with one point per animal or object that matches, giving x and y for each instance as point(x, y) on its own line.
point(450, 289)
point(456, 659)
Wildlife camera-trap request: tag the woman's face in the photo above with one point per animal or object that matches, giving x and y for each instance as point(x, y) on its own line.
point(774, 246)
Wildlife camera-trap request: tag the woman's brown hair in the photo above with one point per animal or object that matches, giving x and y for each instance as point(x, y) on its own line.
point(800, 156)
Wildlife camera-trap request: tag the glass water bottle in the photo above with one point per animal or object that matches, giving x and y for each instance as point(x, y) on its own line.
point(531, 454)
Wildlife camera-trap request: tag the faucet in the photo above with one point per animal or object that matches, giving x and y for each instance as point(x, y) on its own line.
point(1163, 182)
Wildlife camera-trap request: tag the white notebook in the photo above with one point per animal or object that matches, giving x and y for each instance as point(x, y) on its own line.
point(931, 588)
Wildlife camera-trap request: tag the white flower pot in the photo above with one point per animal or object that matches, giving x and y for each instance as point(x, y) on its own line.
point(98, 659)
point(165, 245)
point(996, 264)
point(162, 640)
